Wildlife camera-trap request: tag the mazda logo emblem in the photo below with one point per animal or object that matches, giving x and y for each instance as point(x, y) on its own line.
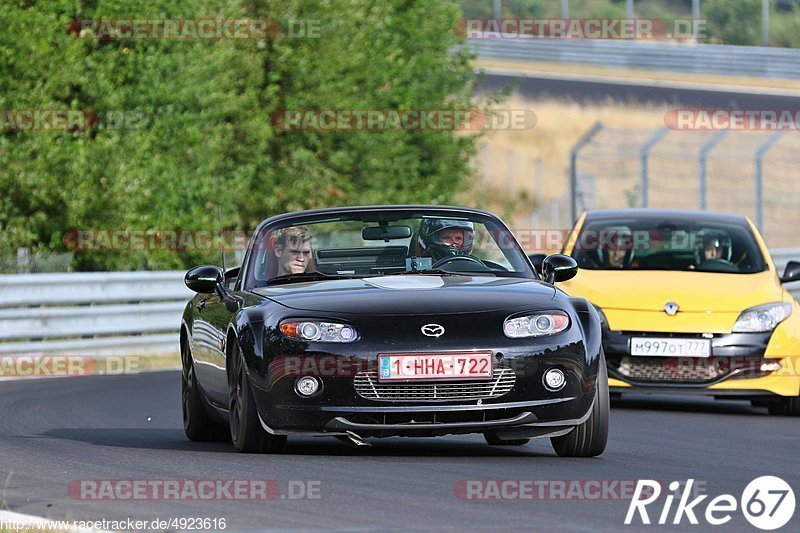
point(433, 330)
point(671, 308)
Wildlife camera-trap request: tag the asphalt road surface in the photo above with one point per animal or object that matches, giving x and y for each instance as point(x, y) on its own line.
point(57, 431)
point(635, 92)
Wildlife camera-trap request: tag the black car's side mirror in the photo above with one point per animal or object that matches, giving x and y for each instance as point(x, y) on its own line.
point(537, 260)
point(792, 272)
point(559, 267)
point(230, 277)
point(204, 279)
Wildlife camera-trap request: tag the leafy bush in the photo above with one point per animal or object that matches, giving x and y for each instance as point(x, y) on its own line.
point(201, 134)
point(733, 21)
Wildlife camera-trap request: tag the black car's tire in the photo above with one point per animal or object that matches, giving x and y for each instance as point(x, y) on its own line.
point(785, 406)
point(197, 425)
point(589, 439)
point(492, 438)
point(246, 432)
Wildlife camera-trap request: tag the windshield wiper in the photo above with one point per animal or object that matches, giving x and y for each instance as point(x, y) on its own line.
point(307, 276)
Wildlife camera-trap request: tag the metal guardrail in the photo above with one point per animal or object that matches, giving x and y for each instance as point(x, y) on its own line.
point(782, 256)
point(122, 313)
point(726, 60)
point(96, 314)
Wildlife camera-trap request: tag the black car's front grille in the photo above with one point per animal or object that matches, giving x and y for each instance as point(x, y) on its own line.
point(367, 386)
point(445, 417)
point(685, 369)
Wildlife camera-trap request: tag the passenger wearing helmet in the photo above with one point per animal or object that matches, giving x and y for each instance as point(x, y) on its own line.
point(442, 238)
point(716, 245)
point(615, 249)
point(713, 251)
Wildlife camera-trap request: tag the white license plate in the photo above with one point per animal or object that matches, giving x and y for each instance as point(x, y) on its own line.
point(407, 367)
point(653, 346)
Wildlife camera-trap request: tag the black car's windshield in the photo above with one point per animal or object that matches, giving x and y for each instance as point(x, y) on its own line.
point(377, 244)
point(658, 244)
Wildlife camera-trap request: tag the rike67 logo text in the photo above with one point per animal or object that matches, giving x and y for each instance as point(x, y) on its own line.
point(767, 502)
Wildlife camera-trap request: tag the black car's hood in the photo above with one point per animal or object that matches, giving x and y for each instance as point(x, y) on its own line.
point(411, 295)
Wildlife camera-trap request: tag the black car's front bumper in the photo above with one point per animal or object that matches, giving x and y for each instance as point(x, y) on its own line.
point(508, 420)
point(343, 405)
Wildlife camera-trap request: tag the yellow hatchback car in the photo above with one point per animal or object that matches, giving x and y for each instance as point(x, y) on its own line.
point(690, 302)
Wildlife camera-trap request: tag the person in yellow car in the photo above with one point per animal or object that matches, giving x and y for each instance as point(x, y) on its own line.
point(616, 248)
point(691, 303)
point(716, 245)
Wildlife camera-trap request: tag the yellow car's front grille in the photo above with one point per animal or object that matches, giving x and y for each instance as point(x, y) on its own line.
point(687, 369)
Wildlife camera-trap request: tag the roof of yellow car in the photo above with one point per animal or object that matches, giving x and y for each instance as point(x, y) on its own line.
point(673, 214)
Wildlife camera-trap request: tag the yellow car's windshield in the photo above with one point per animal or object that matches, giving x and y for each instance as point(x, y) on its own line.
point(658, 244)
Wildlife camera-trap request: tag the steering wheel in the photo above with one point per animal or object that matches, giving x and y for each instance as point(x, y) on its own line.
point(718, 265)
point(445, 260)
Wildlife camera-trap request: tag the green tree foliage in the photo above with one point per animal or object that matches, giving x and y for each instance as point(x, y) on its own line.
point(199, 131)
point(734, 21)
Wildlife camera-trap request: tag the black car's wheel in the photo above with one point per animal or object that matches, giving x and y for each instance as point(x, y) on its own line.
point(785, 406)
point(246, 431)
point(196, 422)
point(589, 439)
point(492, 438)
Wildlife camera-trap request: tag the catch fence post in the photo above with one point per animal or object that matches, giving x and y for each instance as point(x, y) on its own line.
point(760, 153)
point(703, 166)
point(585, 139)
point(644, 154)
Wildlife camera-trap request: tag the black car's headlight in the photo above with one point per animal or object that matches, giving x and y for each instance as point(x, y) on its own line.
point(762, 318)
point(318, 331)
point(535, 325)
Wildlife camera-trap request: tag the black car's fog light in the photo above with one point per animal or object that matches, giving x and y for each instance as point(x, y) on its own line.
point(554, 379)
point(307, 386)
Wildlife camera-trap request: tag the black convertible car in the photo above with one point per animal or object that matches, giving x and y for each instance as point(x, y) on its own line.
point(383, 321)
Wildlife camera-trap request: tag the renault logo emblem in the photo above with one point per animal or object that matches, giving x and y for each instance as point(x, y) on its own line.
point(433, 330)
point(671, 308)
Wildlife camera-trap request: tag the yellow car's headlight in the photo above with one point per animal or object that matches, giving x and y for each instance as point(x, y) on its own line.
point(762, 318)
